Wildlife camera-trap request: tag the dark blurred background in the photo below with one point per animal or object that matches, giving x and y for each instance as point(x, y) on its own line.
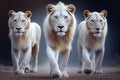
point(112, 49)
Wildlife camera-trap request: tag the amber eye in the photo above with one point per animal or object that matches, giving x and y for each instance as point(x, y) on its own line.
point(15, 20)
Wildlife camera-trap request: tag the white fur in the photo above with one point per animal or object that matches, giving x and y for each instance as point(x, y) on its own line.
point(89, 44)
point(59, 18)
point(32, 38)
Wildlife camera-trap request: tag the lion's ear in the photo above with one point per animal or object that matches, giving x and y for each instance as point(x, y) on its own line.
point(28, 14)
point(86, 13)
point(50, 8)
point(71, 8)
point(103, 13)
point(11, 13)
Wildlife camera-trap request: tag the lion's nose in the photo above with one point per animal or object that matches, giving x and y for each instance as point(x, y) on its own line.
point(18, 28)
point(97, 29)
point(60, 27)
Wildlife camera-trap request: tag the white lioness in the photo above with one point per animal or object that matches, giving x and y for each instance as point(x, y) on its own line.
point(91, 42)
point(25, 38)
point(59, 28)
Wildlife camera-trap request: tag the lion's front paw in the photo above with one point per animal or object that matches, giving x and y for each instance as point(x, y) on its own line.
point(27, 70)
point(33, 70)
point(98, 71)
point(65, 75)
point(19, 72)
point(88, 71)
point(56, 74)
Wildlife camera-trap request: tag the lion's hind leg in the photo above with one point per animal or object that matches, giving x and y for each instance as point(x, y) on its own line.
point(35, 51)
point(80, 58)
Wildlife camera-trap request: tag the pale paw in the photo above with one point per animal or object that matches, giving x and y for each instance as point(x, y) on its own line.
point(33, 70)
point(88, 71)
point(56, 74)
point(98, 72)
point(19, 72)
point(65, 75)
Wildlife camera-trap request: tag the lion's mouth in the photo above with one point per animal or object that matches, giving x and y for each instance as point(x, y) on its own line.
point(19, 32)
point(97, 32)
point(61, 33)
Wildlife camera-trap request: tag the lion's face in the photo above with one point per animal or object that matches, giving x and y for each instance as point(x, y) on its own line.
point(96, 22)
point(19, 22)
point(60, 17)
point(60, 21)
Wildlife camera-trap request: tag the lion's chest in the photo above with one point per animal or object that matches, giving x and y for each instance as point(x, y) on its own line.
point(94, 44)
point(60, 43)
point(21, 42)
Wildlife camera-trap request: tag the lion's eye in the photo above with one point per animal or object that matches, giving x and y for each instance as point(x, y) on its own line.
point(66, 17)
point(92, 20)
point(56, 17)
point(23, 20)
point(15, 20)
point(100, 20)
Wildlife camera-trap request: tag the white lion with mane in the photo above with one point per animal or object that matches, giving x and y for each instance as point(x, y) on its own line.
point(59, 29)
point(91, 42)
point(25, 37)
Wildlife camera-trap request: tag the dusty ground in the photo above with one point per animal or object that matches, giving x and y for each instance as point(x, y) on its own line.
point(6, 73)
